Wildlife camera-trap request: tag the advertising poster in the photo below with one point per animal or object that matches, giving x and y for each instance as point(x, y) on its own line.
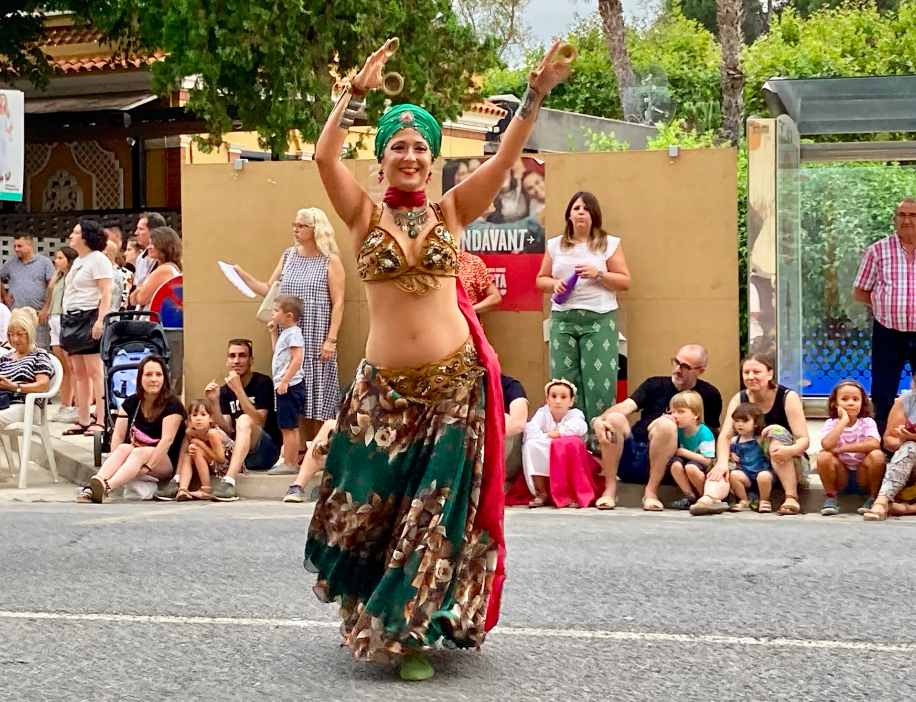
point(12, 144)
point(509, 235)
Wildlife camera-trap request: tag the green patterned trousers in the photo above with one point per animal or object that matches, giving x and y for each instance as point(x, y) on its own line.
point(583, 349)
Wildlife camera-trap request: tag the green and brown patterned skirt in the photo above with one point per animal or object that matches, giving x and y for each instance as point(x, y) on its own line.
point(392, 537)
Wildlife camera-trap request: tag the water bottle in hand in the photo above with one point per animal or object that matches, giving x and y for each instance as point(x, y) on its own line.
point(562, 297)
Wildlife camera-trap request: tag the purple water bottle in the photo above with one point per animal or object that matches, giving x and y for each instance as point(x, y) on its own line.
point(560, 298)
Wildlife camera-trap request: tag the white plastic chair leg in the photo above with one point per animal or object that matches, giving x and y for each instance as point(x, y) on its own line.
point(25, 448)
point(8, 453)
point(49, 450)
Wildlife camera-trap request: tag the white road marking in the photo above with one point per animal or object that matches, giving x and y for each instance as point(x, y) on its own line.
point(508, 631)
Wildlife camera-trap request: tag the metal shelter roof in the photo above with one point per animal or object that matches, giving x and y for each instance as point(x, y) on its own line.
point(845, 105)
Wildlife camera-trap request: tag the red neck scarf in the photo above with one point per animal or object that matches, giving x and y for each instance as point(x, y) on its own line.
point(395, 197)
point(492, 492)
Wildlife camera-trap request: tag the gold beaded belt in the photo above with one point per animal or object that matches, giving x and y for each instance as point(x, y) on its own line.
point(428, 383)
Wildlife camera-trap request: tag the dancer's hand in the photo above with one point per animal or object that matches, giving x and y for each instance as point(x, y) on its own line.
point(370, 76)
point(548, 73)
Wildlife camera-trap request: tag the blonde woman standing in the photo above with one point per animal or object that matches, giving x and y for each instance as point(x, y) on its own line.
point(312, 271)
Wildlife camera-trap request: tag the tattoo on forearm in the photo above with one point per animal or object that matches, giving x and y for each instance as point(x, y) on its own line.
point(528, 104)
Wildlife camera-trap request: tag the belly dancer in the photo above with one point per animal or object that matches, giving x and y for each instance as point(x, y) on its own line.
point(407, 535)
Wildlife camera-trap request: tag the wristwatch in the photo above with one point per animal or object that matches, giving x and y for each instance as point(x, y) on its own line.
point(19, 389)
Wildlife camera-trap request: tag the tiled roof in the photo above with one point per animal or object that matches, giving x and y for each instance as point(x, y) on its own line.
point(488, 108)
point(100, 63)
point(68, 35)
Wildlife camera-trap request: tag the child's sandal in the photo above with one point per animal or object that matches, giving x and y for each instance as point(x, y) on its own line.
point(204, 493)
point(183, 495)
point(740, 506)
point(765, 507)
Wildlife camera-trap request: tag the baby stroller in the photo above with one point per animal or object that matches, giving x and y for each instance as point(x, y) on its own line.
point(128, 338)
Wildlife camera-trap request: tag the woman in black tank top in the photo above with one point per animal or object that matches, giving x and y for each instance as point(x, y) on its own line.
point(785, 438)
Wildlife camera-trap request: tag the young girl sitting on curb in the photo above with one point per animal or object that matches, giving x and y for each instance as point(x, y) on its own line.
point(556, 462)
point(851, 454)
point(696, 447)
point(749, 465)
point(207, 450)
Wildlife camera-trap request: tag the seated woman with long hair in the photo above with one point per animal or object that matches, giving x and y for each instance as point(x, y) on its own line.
point(148, 434)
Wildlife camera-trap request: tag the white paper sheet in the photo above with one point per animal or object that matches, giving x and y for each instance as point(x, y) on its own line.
point(236, 279)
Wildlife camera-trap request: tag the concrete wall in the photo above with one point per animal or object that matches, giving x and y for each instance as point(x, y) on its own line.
point(561, 131)
point(677, 218)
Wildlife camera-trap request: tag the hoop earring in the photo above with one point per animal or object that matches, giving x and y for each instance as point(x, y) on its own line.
point(381, 176)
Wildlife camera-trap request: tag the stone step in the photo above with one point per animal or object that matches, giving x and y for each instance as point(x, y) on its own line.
point(260, 486)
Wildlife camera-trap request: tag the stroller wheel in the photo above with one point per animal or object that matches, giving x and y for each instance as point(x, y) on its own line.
point(98, 447)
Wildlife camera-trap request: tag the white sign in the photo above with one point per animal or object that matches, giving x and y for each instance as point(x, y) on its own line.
point(12, 144)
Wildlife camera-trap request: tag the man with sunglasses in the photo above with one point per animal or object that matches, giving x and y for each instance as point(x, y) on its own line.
point(244, 409)
point(640, 454)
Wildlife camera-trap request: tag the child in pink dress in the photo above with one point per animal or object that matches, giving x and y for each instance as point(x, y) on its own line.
point(558, 467)
point(851, 455)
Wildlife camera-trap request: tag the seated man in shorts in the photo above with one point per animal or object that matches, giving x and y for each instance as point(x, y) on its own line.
point(246, 413)
point(641, 454)
point(516, 408)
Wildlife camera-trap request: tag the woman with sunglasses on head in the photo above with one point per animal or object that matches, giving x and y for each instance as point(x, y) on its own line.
point(312, 271)
point(407, 531)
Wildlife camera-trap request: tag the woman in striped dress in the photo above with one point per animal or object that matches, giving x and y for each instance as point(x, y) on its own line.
point(312, 271)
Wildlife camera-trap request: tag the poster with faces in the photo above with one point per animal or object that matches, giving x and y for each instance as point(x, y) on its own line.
point(12, 144)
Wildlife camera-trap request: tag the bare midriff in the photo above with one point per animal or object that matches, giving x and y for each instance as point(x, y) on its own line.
point(407, 330)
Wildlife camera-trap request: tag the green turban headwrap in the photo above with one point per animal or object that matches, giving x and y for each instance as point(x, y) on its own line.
point(408, 117)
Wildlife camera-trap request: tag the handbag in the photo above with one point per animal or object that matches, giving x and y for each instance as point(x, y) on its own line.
point(140, 438)
point(267, 305)
point(76, 331)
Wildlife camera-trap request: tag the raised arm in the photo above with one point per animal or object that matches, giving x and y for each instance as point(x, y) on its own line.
point(349, 200)
point(467, 200)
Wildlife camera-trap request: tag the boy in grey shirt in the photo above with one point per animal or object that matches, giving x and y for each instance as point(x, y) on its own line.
point(289, 380)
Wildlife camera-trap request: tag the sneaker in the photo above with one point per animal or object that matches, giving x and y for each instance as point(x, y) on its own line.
point(225, 492)
point(167, 493)
point(867, 505)
point(283, 470)
point(683, 503)
point(66, 415)
point(830, 507)
point(294, 494)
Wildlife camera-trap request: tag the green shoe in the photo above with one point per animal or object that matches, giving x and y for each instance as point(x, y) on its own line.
point(225, 491)
point(415, 667)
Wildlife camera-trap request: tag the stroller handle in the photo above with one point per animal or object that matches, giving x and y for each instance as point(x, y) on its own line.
point(131, 314)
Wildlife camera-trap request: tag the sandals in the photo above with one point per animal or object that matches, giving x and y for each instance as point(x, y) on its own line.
point(76, 430)
point(93, 428)
point(606, 502)
point(765, 507)
point(741, 506)
point(204, 493)
point(877, 513)
point(183, 495)
point(98, 489)
point(652, 504)
point(789, 509)
point(541, 500)
point(84, 495)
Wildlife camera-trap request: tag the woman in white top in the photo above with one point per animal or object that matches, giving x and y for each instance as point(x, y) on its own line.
point(165, 252)
point(87, 299)
point(583, 329)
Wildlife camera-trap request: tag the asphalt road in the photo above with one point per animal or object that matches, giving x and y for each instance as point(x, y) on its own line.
point(210, 602)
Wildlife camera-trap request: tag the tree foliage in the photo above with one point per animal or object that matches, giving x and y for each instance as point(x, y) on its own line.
point(502, 19)
point(685, 51)
point(704, 12)
point(847, 41)
point(271, 66)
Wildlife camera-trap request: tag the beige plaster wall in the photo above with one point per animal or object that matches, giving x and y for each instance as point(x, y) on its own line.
point(677, 218)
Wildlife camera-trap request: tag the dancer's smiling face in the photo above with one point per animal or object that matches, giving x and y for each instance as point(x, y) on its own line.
point(407, 160)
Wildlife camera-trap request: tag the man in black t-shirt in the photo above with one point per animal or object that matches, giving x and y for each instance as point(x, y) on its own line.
point(640, 454)
point(244, 409)
point(516, 408)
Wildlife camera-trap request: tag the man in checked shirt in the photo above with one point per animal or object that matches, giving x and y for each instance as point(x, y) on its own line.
point(886, 282)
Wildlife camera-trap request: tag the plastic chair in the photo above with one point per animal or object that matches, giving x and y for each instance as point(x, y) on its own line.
point(34, 419)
